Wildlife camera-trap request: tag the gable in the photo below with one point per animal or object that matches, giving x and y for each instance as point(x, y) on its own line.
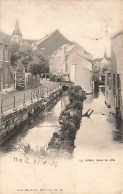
point(52, 43)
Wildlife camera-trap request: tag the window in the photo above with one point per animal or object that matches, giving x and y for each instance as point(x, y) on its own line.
point(6, 77)
point(114, 84)
point(118, 81)
point(66, 68)
point(109, 80)
point(1, 51)
point(6, 52)
point(58, 58)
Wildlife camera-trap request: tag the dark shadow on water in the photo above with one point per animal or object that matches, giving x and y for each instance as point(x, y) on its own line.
point(9, 144)
point(118, 133)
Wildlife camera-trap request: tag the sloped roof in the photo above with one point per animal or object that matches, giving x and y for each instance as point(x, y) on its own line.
point(4, 36)
point(30, 41)
point(46, 37)
point(117, 34)
point(97, 59)
point(66, 47)
point(86, 52)
point(80, 55)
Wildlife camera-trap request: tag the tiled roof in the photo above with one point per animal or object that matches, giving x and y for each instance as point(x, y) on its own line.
point(97, 59)
point(4, 34)
point(30, 41)
point(46, 37)
point(86, 52)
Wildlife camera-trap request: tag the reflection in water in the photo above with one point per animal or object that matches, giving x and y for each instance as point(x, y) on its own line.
point(38, 131)
point(101, 131)
point(97, 140)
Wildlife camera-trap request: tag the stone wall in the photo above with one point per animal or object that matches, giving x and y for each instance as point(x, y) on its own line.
point(11, 122)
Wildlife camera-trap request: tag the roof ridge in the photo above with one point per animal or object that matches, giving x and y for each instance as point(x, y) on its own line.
point(5, 33)
point(117, 34)
point(45, 37)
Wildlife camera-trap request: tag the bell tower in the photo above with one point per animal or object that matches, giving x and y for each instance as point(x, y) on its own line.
point(16, 35)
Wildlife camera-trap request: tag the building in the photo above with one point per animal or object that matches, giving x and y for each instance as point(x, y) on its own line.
point(6, 79)
point(74, 60)
point(50, 43)
point(80, 69)
point(17, 36)
point(58, 62)
point(100, 66)
point(108, 88)
point(117, 74)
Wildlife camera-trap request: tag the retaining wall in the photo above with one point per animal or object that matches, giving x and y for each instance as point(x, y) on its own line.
point(11, 122)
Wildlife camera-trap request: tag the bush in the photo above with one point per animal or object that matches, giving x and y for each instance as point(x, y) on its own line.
point(78, 97)
point(68, 107)
point(77, 105)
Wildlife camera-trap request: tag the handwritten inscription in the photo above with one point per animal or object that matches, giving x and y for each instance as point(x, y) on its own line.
point(36, 161)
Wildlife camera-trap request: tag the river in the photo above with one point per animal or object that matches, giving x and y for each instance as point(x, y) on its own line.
point(97, 153)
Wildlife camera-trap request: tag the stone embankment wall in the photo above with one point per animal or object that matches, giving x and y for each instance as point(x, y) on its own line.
point(11, 122)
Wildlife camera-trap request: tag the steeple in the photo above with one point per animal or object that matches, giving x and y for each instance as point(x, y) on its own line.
point(17, 31)
point(105, 54)
point(16, 35)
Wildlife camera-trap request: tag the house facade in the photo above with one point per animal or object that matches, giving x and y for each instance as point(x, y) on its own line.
point(6, 76)
point(80, 69)
point(108, 88)
point(117, 74)
point(100, 66)
point(58, 62)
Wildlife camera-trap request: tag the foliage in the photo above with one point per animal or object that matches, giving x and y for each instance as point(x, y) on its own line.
point(33, 61)
point(21, 52)
point(68, 107)
point(39, 64)
point(77, 105)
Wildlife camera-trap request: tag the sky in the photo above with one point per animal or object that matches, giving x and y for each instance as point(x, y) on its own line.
point(90, 23)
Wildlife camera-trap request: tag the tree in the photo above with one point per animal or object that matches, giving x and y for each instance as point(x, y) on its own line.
point(33, 61)
point(15, 55)
point(26, 53)
point(39, 64)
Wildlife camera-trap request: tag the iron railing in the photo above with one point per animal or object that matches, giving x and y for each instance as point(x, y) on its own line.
point(13, 101)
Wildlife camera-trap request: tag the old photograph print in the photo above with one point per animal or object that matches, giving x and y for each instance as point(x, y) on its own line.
point(61, 97)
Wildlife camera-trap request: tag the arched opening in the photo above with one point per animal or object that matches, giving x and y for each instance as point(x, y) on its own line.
point(64, 88)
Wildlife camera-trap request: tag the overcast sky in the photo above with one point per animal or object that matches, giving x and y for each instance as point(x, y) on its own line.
point(85, 22)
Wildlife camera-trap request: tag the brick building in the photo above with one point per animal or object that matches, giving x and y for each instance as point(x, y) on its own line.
point(117, 74)
point(5, 63)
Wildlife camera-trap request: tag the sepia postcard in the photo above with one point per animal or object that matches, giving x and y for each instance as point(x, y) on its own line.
point(61, 97)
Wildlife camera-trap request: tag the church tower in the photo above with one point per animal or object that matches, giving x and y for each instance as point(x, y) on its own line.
point(16, 35)
point(105, 55)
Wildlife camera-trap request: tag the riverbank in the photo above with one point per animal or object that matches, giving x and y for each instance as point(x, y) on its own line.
point(69, 121)
point(96, 140)
point(13, 120)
